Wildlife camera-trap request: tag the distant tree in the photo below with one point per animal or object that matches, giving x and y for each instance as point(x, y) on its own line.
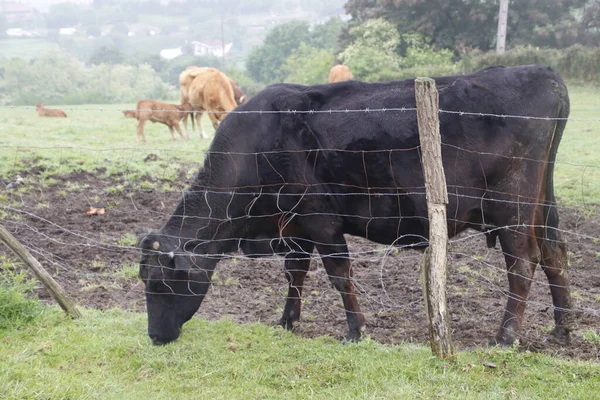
point(119, 40)
point(589, 29)
point(53, 35)
point(308, 65)
point(462, 24)
point(106, 55)
point(374, 52)
point(157, 63)
point(120, 28)
point(325, 36)
point(264, 63)
point(171, 73)
point(378, 52)
point(93, 30)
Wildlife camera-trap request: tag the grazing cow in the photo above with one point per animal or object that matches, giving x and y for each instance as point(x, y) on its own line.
point(156, 111)
point(49, 112)
point(339, 73)
point(262, 191)
point(185, 80)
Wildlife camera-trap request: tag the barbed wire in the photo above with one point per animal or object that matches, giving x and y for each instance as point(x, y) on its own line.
point(387, 249)
point(329, 111)
point(378, 298)
point(375, 288)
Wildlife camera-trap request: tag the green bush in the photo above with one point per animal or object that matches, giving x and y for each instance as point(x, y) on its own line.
point(573, 63)
point(17, 306)
point(58, 78)
point(379, 53)
point(308, 65)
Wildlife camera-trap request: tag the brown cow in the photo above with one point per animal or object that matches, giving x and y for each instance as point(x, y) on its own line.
point(339, 73)
point(185, 80)
point(211, 91)
point(156, 111)
point(49, 112)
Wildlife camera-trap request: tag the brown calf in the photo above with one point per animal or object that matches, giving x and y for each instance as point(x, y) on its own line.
point(49, 112)
point(156, 111)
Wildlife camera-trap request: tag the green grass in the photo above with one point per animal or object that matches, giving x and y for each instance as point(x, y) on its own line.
point(577, 173)
point(26, 48)
point(16, 307)
point(106, 355)
point(92, 137)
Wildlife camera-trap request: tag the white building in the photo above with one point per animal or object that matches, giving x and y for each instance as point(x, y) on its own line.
point(200, 48)
point(18, 32)
point(211, 48)
point(169, 54)
point(67, 31)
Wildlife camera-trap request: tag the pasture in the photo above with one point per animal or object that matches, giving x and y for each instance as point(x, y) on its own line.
point(91, 159)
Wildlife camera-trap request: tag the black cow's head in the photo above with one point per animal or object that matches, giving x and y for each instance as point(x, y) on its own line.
point(175, 283)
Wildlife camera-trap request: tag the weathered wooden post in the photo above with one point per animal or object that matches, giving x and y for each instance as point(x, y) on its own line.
point(39, 271)
point(434, 267)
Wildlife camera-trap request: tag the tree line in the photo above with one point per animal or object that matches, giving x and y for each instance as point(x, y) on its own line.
point(384, 40)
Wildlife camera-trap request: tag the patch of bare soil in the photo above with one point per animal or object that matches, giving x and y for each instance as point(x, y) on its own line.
point(94, 259)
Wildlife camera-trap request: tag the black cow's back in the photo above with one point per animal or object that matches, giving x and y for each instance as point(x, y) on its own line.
point(369, 161)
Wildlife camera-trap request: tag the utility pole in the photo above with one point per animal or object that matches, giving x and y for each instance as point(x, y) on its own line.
point(222, 41)
point(502, 17)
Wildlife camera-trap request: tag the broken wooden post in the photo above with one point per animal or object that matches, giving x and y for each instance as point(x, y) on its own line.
point(434, 268)
point(39, 271)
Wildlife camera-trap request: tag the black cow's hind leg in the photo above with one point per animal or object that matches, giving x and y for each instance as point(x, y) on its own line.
point(554, 265)
point(296, 267)
point(333, 250)
point(338, 268)
point(519, 247)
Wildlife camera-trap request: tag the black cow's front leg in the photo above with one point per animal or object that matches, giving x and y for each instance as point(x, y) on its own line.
point(296, 267)
point(328, 236)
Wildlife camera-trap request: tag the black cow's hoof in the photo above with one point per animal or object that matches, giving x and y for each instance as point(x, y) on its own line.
point(286, 324)
point(352, 337)
point(561, 335)
point(504, 338)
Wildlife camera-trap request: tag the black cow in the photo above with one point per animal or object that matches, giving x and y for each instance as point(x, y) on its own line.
point(288, 183)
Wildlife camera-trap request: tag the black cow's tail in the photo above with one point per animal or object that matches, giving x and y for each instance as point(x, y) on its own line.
point(550, 207)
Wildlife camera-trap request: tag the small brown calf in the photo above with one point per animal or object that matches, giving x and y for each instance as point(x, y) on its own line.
point(156, 111)
point(49, 112)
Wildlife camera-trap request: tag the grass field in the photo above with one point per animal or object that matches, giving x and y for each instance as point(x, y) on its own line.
point(107, 355)
point(92, 137)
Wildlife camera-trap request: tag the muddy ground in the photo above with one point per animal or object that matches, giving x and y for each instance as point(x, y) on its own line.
point(92, 257)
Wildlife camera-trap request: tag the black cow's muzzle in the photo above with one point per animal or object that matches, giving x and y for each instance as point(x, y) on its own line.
point(160, 340)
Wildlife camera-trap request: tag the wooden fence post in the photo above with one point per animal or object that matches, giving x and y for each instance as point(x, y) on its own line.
point(39, 271)
point(434, 268)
